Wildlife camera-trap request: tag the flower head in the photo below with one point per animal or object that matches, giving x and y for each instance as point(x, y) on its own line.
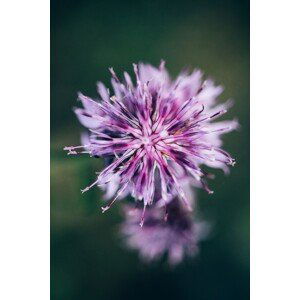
point(176, 235)
point(154, 132)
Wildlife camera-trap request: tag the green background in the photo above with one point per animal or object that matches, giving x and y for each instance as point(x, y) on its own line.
point(88, 258)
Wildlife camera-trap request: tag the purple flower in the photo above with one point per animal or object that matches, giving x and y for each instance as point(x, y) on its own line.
point(154, 133)
point(177, 235)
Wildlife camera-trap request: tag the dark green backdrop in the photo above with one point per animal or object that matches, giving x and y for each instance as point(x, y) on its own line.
point(88, 260)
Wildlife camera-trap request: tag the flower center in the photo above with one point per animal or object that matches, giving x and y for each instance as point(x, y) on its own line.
point(146, 141)
point(154, 138)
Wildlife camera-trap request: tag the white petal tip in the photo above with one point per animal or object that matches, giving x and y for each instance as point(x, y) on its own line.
point(104, 209)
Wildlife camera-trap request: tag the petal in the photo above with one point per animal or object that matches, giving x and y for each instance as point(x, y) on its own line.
point(86, 120)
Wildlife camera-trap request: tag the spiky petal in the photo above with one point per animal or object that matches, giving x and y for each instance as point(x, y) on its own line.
point(156, 128)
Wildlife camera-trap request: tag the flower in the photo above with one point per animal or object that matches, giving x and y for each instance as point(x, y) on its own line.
point(154, 133)
point(177, 234)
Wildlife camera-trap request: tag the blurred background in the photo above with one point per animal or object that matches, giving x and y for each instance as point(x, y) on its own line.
point(88, 258)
